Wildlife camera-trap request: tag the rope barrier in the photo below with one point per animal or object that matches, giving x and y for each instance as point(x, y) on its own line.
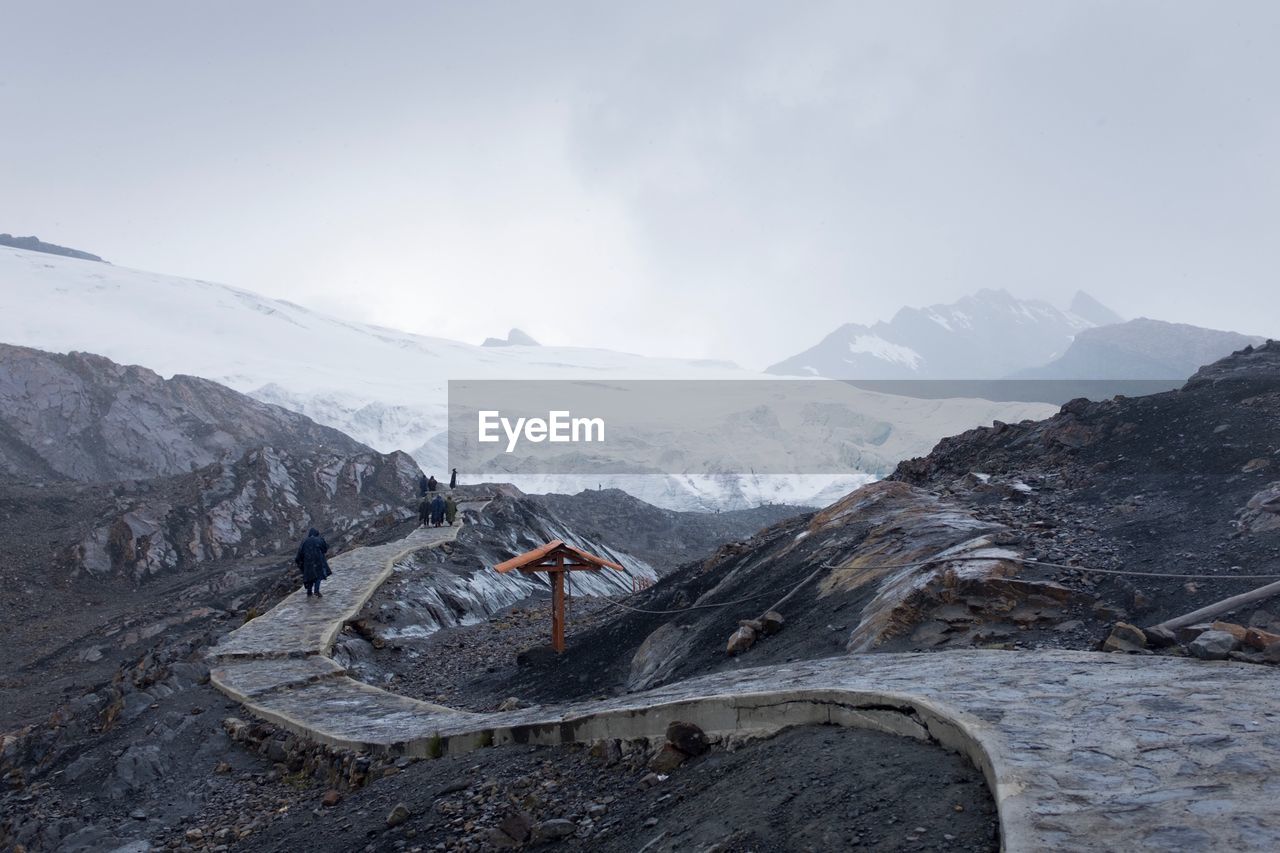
point(932, 561)
point(1085, 569)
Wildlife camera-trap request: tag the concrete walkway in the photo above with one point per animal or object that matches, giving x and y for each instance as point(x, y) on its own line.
point(1082, 751)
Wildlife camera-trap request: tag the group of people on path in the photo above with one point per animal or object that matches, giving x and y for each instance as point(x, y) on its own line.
point(427, 485)
point(433, 508)
point(437, 510)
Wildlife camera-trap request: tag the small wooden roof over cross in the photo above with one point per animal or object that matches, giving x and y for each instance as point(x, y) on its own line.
point(557, 556)
point(557, 559)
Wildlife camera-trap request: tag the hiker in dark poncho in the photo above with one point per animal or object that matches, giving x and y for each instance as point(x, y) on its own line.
point(453, 479)
point(424, 510)
point(311, 559)
point(437, 511)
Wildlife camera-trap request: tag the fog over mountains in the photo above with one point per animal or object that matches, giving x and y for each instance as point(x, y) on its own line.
point(387, 389)
point(995, 335)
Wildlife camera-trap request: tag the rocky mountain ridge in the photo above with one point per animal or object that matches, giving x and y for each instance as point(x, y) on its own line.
point(35, 244)
point(83, 417)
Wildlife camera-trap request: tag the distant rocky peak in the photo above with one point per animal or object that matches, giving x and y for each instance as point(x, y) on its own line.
point(1085, 306)
point(515, 338)
point(35, 244)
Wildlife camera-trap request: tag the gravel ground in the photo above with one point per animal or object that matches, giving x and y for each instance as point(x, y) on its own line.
point(812, 788)
point(471, 666)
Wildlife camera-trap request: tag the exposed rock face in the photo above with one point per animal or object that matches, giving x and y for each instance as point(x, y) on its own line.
point(873, 588)
point(1153, 484)
point(35, 244)
point(83, 417)
point(990, 540)
point(260, 504)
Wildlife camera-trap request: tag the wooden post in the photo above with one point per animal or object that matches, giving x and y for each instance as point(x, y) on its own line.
point(1259, 594)
point(557, 606)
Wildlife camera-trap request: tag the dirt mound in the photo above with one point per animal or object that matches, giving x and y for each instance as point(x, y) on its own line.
point(1170, 483)
point(819, 788)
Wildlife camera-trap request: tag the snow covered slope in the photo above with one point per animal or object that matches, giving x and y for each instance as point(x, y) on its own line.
point(383, 387)
point(387, 388)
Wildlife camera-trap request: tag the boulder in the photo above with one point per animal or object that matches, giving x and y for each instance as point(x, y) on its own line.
point(1271, 654)
point(1187, 633)
point(1213, 645)
point(517, 826)
point(743, 638)
point(754, 624)
point(500, 840)
point(687, 738)
point(1125, 638)
point(667, 759)
point(511, 703)
point(771, 622)
point(1159, 637)
point(1256, 638)
point(398, 815)
point(553, 830)
point(331, 798)
point(1237, 631)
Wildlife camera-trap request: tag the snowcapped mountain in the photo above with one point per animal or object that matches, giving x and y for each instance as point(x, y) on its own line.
point(388, 389)
point(988, 335)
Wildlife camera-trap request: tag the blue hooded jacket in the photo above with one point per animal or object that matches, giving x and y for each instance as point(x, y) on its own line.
point(311, 557)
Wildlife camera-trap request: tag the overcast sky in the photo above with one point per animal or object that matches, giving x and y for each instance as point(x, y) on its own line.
point(699, 179)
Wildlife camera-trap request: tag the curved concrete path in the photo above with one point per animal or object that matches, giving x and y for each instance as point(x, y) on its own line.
point(1082, 751)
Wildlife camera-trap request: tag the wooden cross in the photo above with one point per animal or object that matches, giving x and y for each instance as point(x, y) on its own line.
point(556, 558)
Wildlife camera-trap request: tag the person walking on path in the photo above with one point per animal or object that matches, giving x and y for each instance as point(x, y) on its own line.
point(422, 485)
point(437, 511)
point(313, 562)
point(450, 509)
point(453, 479)
point(424, 510)
point(431, 483)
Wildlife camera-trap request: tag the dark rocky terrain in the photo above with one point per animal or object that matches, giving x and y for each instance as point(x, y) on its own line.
point(818, 788)
point(132, 506)
point(35, 244)
point(1183, 482)
point(454, 587)
point(83, 417)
